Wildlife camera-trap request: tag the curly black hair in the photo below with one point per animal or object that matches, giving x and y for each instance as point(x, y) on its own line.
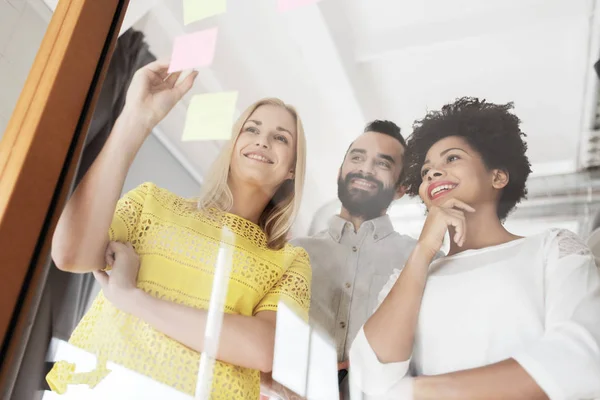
point(491, 129)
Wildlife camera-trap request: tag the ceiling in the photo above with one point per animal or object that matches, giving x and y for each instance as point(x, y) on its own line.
point(345, 62)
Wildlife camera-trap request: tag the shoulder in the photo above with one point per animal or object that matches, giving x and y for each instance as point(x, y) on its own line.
point(297, 253)
point(405, 239)
point(405, 244)
point(149, 189)
point(563, 242)
point(313, 244)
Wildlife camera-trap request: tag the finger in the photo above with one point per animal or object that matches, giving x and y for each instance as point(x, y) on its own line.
point(118, 249)
point(158, 66)
point(101, 277)
point(186, 84)
point(114, 248)
point(171, 79)
point(454, 203)
point(458, 225)
point(455, 213)
point(109, 257)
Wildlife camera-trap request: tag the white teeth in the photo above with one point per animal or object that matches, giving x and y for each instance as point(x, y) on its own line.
point(364, 184)
point(442, 187)
point(258, 158)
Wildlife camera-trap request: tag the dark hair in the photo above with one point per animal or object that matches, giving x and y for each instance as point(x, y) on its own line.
point(491, 129)
point(386, 128)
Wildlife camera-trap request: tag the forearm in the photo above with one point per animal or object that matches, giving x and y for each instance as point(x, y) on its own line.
point(391, 329)
point(275, 388)
point(244, 341)
point(505, 380)
point(81, 235)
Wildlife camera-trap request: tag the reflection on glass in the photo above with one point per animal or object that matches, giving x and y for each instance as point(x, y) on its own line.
point(358, 72)
point(162, 252)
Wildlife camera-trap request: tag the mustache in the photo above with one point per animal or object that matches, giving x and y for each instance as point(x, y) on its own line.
point(368, 178)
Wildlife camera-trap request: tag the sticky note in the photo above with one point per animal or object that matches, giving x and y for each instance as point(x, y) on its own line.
point(193, 50)
point(210, 117)
point(287, 5)
point(196, 10)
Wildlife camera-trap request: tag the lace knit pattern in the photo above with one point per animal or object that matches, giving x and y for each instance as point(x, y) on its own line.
point(570, 244)
point(178, 249)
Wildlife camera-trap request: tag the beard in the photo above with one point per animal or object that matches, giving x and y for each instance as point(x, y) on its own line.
point(361, 203)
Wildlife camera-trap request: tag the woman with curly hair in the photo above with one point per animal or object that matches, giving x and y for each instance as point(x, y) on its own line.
point(501, 316)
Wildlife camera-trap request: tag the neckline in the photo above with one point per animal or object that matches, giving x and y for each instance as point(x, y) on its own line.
point(470, 252)
point(239, 226)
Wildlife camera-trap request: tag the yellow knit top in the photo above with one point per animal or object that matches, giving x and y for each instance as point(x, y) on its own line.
point(178, 248)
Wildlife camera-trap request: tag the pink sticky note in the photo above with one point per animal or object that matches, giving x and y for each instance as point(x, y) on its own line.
point(287, 5)
point(193, 50)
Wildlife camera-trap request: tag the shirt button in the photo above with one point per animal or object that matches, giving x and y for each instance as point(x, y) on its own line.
point(342, 324)
point(354, 249)
point(348, 285)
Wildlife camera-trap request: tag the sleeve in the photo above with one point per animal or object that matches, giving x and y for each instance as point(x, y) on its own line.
point(293, 287)
point(127, 213)
point(565, 362)
point(369, 375)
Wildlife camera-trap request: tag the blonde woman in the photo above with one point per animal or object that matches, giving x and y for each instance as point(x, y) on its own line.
point(151, 314)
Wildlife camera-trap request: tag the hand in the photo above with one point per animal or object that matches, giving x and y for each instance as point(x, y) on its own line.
point(121, 284)
point(343, 365)
point(153, 92)
point(440, 219)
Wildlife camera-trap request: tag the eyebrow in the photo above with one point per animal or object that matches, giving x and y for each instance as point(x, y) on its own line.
point(443, 153)
point(360, 151)
point(279, 128)
point(387, 157)
point(380, 155)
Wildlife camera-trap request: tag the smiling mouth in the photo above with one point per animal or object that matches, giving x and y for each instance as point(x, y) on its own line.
point(441, 190)
point(258, 157)
point(363, 184)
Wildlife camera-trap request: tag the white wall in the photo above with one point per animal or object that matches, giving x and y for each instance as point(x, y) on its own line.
point(154, 163)
point(23, 24)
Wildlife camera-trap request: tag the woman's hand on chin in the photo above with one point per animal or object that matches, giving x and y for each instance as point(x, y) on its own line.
point(450, 214)
point(120, 284)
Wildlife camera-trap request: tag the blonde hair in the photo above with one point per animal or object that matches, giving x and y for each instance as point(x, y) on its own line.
point(278, 216)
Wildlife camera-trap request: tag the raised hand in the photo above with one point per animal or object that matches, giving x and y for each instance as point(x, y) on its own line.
point(153, 92)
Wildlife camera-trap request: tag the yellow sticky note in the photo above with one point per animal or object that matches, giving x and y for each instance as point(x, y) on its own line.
point(195, 10)
point(210, 117)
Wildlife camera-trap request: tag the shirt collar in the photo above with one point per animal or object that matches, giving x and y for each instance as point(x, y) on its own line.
point(380, 227)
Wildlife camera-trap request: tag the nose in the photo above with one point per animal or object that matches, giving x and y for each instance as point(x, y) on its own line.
point(367, 168)
point(434, 173)
point(262, 142)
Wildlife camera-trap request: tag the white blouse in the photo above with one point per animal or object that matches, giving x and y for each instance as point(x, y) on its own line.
point(536, 300)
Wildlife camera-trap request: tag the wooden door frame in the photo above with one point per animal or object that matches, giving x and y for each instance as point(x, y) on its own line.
point(39, 154)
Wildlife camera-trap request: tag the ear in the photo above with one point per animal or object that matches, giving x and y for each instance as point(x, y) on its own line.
point(500, 179)
point(400, 191)
point(291, 174)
